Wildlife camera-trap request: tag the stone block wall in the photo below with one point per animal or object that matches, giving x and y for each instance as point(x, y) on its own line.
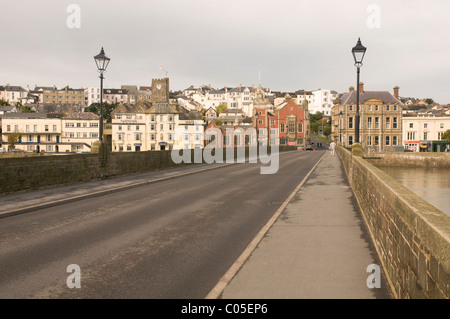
point(410, 159)
point(411, 236)
point(24, 173)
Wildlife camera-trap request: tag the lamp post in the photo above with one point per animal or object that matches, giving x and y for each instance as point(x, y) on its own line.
point(102, 62)
point(340, 127)
point(358, 52)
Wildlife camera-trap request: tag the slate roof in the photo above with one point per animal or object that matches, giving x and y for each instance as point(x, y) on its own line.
point(385, 96)
point(12, 88)
point(81, 116)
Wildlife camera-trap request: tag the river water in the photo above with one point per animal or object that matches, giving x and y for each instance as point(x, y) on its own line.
point(431, 184)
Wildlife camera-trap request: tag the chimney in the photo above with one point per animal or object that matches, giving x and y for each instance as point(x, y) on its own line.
point(396, 92)
point(361, 87)
point(350, 89)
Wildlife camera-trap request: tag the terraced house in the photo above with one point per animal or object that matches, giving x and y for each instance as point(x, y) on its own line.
point(161, 126)
point(51, 133)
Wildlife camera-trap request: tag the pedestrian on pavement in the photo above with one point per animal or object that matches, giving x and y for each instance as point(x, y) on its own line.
point(332, 148)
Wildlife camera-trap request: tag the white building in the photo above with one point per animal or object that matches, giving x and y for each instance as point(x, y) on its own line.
point(320, 100)
point(74, 132)
point(92, 95)
point(12, 94)
point(419, 131)
point(162, 126)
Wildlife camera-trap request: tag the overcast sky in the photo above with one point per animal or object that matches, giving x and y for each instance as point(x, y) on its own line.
point(293, 44)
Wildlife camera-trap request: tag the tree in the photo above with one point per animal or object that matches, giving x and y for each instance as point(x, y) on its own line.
point(218, 122)
point(27, 109)
point(107, 109)
point(3, 102)
point(446, 136)
point(316, 117)
point(221, 108)
point(429, 101)
point(13, 139)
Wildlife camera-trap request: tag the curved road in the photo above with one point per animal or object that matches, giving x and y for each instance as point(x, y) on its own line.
point(172, 239)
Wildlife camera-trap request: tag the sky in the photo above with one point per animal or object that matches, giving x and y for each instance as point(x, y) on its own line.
point(286, 45)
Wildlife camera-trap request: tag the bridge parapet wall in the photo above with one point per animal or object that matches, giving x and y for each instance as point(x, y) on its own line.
point(411, 236)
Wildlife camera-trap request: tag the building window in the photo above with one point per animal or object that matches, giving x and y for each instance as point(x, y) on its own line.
point(120, 136)
point(93, 124)
point(394, 122)
point(152, 118)
point(27, 128)
point(394, 140)
point(69, 125)
point(411, 125)
point(49, 148)
point(350, 122)
point(128, 127)
point(369, 122)
point(376, 107)
point(128, 147)
point(425, 125)
point(119, 116)
point(94, 135)
point(377, 122)
point(350, 140)
point(369, 140)
point(30, 138)
point(48, 138)
point(291, 127)
point(119, 128)
point(282, 127)
point(137, 136)
point(35, 129)
point(300, 127)
point(260, 122)
point(55, 128)
point(152, 127)
point(388, 140)
point(387, 107)
point(388, 122)
point(137, 127)
point(425, 135)
point(129, 118)
point(411, 135)
point(377, 140)
point(441, 125)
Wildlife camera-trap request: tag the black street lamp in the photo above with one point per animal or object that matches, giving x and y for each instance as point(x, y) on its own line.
point(340, 127)
point(102, 62)
point(358, 52)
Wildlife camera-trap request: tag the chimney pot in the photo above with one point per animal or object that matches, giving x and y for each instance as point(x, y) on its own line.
point(361, 87)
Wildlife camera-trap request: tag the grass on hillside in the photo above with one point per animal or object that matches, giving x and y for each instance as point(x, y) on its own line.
point(323, 138)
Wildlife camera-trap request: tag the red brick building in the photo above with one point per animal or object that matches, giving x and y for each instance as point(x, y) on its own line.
point(291, 120)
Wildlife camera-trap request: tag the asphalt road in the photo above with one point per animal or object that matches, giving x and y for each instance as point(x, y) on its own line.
point(173, 239)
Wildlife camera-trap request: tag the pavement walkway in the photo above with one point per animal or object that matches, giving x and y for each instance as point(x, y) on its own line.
point(318, 248)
